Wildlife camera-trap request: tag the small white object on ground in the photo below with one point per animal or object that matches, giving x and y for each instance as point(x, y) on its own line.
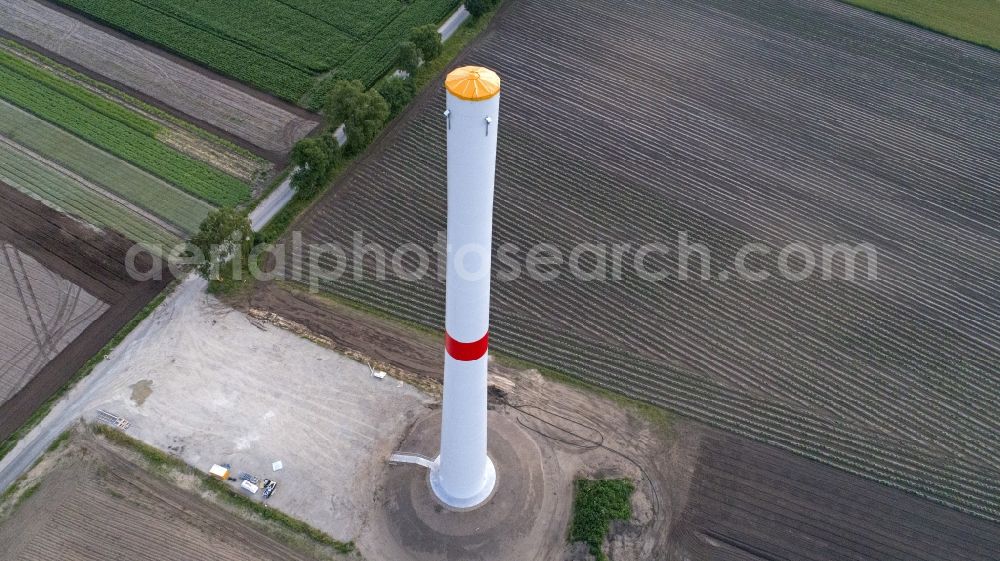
point(276, 466)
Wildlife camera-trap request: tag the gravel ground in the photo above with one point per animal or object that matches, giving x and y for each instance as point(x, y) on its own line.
point(200, 380)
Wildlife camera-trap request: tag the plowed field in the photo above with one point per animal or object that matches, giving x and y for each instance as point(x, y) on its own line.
point(64, 293)
point(745, 497)
point(767, 122)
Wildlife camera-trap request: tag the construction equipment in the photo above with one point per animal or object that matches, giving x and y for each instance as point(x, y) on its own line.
point(219, 472)
point(112, 420)
point(244, 476)
point(269, 486)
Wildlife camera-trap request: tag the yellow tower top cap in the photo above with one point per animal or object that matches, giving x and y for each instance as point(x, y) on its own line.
point(472, 83)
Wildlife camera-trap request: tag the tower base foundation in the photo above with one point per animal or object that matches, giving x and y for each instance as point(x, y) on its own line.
point(463, 503)
point(520, 512)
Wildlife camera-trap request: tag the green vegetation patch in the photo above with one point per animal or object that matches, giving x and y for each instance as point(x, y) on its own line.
point(282, 53)
point(82, 95)
point(976, 21)
point(379, 55)
point(67, 194)
point(596, 504)
point(78, 78)
point(117, 131)
point(97, 166)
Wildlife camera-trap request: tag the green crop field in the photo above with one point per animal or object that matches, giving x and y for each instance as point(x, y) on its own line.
point(112, 128)
point(976, 21)
point(73, 197)
point(111, 173)
point(282, 53)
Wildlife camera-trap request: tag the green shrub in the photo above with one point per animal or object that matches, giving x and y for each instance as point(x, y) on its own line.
point(595, 506)
point(397, 92)
point(428, 41)
point(313, 158)
point(479, 7)
point(223, 236)
point(408, 57)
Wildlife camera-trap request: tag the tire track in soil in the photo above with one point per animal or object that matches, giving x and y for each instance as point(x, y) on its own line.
point(90, 259)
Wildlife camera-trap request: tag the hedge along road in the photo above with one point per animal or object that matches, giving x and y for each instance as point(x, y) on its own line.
point(273, 203)
point(269, 126)
point(769, 122)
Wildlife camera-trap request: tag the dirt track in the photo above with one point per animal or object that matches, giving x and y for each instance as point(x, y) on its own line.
point(90, 259)
point(382, 340)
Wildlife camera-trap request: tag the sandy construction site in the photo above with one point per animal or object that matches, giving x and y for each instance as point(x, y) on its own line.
point(201, 381)
point(211, 385)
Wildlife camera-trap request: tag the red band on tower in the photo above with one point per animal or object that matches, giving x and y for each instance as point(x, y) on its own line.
point(466, 351)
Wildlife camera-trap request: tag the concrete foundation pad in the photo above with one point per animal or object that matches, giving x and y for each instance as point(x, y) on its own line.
point(464, 503)
point(508, 525)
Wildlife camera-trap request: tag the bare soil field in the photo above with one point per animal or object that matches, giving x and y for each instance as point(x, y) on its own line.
point(43, 312)
point(268, 126)
point(95, 501)
point(744, 497)
point(75, 292)
point(752, 122)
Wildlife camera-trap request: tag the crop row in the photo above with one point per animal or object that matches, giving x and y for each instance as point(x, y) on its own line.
point(72, 197)
point(285, 33)
point(258, 69)
point(86, 97)
point(110, 173)
point(967, 488)
point(737, 130)
point(360, 20)
point(850, 338)
point(119, 139)
point(280, 53)
point(378, 56)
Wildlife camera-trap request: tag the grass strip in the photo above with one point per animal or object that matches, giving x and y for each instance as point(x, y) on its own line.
point(109, 173)
point(74, 76)
point(38, 180)
point(82, 95)
point(975, 21)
